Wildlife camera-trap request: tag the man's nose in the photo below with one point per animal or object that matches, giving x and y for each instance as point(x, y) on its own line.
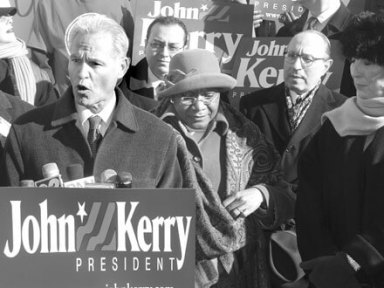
point(83, 71)
point(165, 50)
point(297, 63)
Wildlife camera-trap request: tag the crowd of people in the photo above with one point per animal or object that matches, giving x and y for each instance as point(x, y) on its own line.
point(297, 152)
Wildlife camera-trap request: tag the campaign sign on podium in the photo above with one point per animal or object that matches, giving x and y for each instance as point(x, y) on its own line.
point(96, 238)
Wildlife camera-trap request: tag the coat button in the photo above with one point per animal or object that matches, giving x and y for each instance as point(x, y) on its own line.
point(289, 149)
point(197, 159)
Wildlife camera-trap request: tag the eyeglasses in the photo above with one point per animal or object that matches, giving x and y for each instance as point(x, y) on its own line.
point(305, 59)
point(189, 98)
point(172, 48)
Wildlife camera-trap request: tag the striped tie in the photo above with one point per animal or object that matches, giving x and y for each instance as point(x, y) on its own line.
point(94, 136)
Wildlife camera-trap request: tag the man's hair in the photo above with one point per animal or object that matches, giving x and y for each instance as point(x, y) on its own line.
point(327, 43)
point(363, 38)
point(167, 21)
point(92, 23)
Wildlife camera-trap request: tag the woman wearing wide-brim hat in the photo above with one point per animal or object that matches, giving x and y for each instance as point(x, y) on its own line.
point(234, 170)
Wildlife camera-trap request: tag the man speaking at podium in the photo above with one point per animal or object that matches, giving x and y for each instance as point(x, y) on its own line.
point(93, 124)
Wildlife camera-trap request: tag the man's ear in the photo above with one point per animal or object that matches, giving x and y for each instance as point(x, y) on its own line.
point(124, 66)
point(328, 64)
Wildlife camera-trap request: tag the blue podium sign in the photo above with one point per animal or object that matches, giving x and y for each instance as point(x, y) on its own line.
point(107, 238)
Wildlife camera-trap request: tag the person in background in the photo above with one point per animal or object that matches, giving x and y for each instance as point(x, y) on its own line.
point(339, 208)
point(51, 18)
point(10, 108)
point(240, 192)
point(166, 36)
point(18, 75)
point(93, 124)
point(289, 114)
point(330, 17)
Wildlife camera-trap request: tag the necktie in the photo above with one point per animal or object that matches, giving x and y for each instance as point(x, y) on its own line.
point(312, 23)
point(94, 135)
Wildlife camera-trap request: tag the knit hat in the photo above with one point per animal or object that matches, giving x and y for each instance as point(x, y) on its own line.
point(195, 69)
point(6, 9)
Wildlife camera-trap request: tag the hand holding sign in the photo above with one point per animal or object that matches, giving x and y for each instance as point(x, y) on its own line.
point(257, 18)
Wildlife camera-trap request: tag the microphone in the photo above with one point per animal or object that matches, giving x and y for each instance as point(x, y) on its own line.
point(52, 177)
point(75, 174)
point(124, 180)
point(107, 180)
point(27, 183)
point(108, 176)
point(75, 171)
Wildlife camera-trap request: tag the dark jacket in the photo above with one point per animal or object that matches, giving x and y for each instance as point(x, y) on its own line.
point(136, 79)
point(335, 25)
point(268, 109)
point(340, 200)
point(136, 142)
point(45, 93)
point(10, 108)
point(138, 100)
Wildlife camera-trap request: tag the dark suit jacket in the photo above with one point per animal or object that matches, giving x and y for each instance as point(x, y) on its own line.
point(268, 109)
point(11, 107)
point(335, 25)
point(136, 141)
point(136, 79)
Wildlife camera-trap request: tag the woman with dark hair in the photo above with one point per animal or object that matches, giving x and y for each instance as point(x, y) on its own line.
point(340, 200)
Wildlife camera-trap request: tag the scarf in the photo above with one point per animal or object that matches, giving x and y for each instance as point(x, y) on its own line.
point(296, 111)
point(25, 79)
point(353, 117)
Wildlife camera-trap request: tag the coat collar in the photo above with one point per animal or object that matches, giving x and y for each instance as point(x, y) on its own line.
point(335, 25)
point(276, 111)
point(338, 21)
point(5, 106)
point(321, 102)
point(65, 111)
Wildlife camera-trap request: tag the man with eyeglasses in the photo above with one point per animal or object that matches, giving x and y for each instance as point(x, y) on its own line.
point(233, 169)
point(289, 114)
point(166, 36)
point(329, 17)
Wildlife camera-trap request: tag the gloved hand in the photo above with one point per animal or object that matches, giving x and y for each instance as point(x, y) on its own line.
point(331, 272)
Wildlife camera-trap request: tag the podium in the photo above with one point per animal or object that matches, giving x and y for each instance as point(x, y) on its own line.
point(89, 238)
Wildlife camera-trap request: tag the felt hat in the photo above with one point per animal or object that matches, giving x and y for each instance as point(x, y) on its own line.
point(193, 70)
point(6, 8)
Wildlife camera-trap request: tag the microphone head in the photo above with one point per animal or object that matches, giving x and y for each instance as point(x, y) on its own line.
point(108, 176)
point(124, 179)
point(75, 171)
point(50, 170)
point(27, 183)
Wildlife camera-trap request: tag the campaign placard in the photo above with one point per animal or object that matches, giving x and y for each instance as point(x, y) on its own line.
point(259, 64)
point(212, 26)
point(97, 238)
point(272, 9)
